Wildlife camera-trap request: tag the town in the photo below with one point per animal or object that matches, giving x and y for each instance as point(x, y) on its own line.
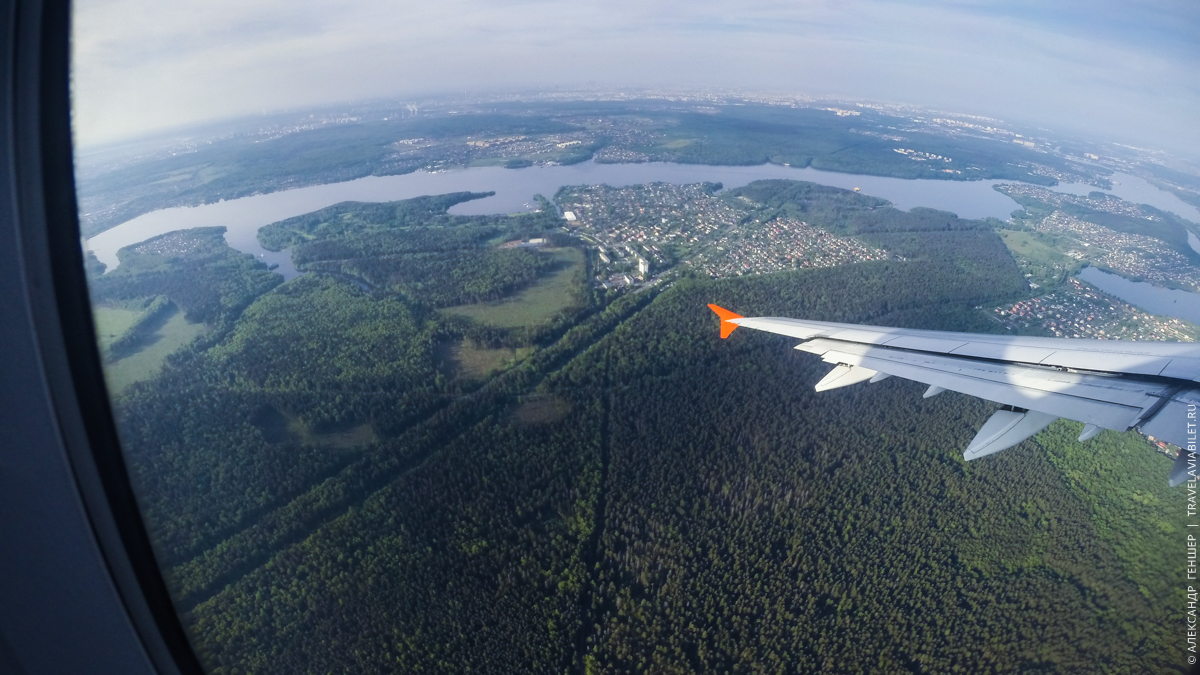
point(1098, 201)
point(642, 231)
point(781, 245)
point(1131, 255)
point(644, 234)
point(1077, 310)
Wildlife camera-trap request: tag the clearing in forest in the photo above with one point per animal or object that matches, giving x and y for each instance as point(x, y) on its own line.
point(173, 333)
point(1029, 246)
point(111, 323)
point(541, 410)
point(533, 305)
point(469, 362)
point(278, 427)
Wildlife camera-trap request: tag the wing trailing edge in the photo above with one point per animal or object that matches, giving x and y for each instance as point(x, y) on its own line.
point(1153, 387)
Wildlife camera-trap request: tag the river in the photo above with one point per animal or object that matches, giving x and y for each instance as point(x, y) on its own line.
point(1151, 298)
point(515, 189)
point(1139, 191)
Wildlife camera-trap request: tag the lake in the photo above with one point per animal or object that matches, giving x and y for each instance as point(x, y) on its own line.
point(1151, 298)
point(514, 190)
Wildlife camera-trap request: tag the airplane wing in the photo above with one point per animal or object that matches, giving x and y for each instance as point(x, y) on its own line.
point(1106, 384)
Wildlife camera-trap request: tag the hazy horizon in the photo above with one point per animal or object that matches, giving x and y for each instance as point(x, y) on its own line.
point(1111, 71)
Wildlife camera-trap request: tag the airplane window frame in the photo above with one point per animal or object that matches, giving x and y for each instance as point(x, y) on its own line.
point(63, 436)
point(79, 585)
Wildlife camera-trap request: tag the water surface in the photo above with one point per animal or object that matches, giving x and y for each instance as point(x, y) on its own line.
point(514, 193)
point(1151, 298)
point(515, 190)
point(1139, 191)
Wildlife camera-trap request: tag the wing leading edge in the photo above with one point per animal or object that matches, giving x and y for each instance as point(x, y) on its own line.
point(1106, 384)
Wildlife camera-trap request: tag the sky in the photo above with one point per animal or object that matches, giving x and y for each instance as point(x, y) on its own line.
point(1120, 71)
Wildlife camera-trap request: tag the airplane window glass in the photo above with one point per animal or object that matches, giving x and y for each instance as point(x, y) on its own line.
point(412, 318)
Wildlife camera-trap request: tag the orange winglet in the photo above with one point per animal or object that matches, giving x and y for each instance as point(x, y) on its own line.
point(726, 316)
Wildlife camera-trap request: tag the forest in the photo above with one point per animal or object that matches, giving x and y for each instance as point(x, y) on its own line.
point(195, 268)
point(359, 218)
point(844, 212)
point(295, 378)
point(634, 495)
point(817, 138)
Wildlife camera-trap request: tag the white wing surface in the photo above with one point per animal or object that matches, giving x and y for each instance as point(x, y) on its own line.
point(1106, 384)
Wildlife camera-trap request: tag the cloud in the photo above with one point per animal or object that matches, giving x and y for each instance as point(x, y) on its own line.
point(1116, 69)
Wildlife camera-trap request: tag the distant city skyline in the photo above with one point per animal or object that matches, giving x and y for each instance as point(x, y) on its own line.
point(1114, 71)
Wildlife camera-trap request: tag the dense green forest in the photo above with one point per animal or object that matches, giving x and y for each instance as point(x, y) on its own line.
point(195, 268)
point(348, 218)
point(413, 248)
point(444, 279)
point(844, 212)
point(816, 138)
point(93, 265)
point(635, 494)
point(751, 525)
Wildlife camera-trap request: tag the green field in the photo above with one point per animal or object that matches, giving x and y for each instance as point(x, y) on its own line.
point(533, 305)
point(540, 410)
point(278, 427)
point(145, 363)
point(469, 362)
point(343, 439)
point(1030, 246)
point(1039, 258)
point(111, 323)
